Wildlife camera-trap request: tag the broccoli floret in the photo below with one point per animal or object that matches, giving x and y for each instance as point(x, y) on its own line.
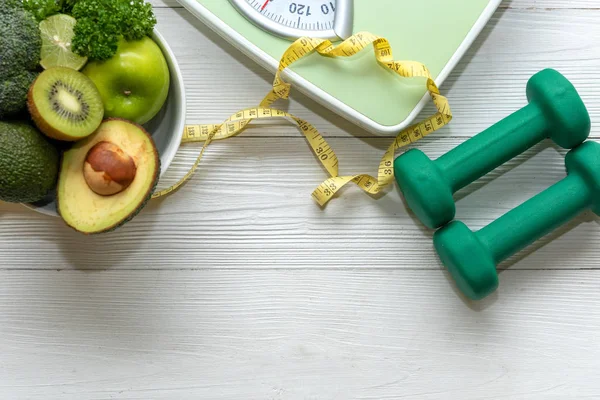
point(9, 5)
point(13, 93)
point(20, 45)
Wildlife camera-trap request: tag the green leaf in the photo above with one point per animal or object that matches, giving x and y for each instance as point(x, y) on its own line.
point(100, 24)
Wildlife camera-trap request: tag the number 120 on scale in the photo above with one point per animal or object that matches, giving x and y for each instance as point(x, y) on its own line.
point(290, 19)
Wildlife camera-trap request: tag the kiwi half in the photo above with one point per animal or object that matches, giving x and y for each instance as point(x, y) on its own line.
point(65, 104)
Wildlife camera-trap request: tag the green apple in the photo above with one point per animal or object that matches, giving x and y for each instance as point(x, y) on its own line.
point(134, 83)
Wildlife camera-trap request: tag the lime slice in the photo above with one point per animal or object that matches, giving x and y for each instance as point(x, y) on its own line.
point(57, 33)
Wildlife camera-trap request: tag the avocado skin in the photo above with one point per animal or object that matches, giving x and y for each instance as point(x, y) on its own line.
point(143, 203)
point(28, 163)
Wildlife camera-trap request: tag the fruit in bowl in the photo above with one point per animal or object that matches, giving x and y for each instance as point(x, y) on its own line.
point(134, 83)
point(28, 161)
point(106, 179)
point(65, 104)
point(85, 149)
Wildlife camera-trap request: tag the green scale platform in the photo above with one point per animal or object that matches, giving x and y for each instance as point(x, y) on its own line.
point(434, 32)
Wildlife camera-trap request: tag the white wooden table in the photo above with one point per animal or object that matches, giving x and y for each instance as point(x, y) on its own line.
point(240, 287)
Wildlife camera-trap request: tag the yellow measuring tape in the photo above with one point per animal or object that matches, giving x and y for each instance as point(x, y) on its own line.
point(324, 153)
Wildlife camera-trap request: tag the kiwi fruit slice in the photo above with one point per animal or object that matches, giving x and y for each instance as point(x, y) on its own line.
point(65, 104)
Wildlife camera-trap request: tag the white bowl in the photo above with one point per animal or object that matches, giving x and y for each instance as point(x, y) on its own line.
point(166, 127)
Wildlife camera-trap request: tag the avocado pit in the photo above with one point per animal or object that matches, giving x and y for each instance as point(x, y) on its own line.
point(107, 169)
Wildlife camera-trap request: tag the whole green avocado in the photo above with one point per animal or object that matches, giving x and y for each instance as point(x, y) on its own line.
point(20, 46)
point(28, 163)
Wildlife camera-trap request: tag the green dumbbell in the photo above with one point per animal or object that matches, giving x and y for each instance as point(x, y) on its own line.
point(555, 110)
point(471, 257)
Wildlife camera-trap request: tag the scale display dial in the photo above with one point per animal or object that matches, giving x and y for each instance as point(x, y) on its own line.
point(290, 19)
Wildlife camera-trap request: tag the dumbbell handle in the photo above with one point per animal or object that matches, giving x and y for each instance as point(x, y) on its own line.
point(536, 217)
point(481, 154)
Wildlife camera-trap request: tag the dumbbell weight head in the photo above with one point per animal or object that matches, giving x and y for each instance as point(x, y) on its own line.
point(468, 260)
point(424, 187)
point(584, 161)
point(568, 119)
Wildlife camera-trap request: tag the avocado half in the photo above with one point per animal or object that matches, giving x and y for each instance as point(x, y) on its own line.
point(107, 178)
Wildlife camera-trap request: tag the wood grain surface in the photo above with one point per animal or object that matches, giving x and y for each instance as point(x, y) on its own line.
point(305, 334)
point(240, 287)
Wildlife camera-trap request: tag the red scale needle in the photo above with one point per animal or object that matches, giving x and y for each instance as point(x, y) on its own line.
point(264, 5)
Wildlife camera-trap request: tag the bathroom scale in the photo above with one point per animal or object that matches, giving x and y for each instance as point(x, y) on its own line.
point(436, 33)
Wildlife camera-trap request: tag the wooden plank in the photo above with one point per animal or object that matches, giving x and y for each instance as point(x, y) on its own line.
point(291, 335)
point(551, 5)
point(249, 207)
point(164, 3)
point(487, 85)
